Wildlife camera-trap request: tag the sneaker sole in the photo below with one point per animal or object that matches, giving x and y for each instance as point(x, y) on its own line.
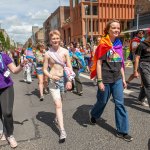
point(62, 141)
point(121, 137)
point(90, 118)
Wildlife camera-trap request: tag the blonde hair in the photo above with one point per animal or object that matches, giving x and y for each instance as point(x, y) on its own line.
point(54, 32)
point(39, 45)
point(106, 30)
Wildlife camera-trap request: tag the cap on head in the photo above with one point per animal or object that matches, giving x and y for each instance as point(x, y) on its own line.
point(137, 32)
point(148, 31)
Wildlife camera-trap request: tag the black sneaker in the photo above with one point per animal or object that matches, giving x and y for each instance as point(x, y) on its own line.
point(41, 98)
point(80, 93)
point(126, 137)
point(92, 119)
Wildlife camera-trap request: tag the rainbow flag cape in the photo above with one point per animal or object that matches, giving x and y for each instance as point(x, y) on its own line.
point(104, 46)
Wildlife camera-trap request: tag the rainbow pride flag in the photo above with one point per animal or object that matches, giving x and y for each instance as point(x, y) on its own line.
point(29, 53)
point(104, 46)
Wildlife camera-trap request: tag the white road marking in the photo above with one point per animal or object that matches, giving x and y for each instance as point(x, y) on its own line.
point(126, 91)
point(85, 76)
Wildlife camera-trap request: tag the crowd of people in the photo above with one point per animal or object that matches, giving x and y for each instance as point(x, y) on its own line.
point(58, 69)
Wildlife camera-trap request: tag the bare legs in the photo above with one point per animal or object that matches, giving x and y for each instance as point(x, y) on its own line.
point(59, 113)
point(41, 86)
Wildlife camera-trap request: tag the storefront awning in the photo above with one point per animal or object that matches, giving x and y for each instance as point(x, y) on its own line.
point(134, 29)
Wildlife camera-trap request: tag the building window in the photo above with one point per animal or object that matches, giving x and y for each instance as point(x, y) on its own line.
point(95, 10)
point(88, 10)
point(97, 26)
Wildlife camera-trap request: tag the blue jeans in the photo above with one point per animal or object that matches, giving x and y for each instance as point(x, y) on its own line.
point(121, 115)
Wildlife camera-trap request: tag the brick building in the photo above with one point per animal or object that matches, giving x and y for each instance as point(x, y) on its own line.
point(85, 22)
point(39, 36)
point(56, 21)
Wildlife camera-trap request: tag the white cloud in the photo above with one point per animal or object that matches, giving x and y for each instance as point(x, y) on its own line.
point(23, 29)
point(40, 15)
point(12, 20)
point(18, 16)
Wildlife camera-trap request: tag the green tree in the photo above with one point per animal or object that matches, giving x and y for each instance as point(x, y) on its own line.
point(7, 43)
point(2, 39)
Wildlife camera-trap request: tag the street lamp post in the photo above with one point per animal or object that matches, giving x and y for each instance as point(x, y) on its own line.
point(91, 12)
point(137, 17)
point(86, 26)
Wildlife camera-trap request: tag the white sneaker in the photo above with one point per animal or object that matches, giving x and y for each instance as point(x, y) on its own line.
point(2, 137)
point(63, 135)
point(12, 141)
point(144, 104)
point(24, 80)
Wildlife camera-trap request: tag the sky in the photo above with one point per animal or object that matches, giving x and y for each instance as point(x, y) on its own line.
point(18, 16)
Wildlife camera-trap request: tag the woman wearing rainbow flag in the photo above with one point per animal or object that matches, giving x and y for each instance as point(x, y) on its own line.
point(108, 65)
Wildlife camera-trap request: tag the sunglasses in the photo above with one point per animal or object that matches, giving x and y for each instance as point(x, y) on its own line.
point(140, 33)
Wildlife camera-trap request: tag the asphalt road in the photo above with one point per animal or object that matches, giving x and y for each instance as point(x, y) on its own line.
point(35, 130)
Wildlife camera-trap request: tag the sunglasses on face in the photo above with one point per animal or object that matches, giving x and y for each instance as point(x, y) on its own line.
point(140, 33)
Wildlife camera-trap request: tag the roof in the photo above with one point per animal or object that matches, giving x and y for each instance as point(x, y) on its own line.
point(134, 28)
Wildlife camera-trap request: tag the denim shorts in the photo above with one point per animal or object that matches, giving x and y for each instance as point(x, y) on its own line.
point(39, 71)
point(57, 88)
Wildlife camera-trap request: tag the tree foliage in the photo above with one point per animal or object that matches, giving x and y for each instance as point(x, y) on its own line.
point(5, 43)
point(2, 39)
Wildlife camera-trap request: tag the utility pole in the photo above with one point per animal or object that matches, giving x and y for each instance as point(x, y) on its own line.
point(138, 10)
point(86, 7)
point(91, 12)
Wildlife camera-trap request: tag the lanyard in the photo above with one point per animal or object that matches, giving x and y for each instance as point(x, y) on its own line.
point(1, 61)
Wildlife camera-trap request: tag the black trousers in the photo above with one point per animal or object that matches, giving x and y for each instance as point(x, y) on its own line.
point(145, 76)
point(6, 108)
point(78, 83)
point(142, 94)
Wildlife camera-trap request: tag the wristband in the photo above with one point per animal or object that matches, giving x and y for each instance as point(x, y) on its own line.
point(99, 81)
point(99, 78)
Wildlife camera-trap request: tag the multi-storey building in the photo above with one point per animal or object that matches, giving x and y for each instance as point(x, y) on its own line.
point(88, 18)
point(39, 36)
point(142, 15)
point(56, 21)
point(34, 30)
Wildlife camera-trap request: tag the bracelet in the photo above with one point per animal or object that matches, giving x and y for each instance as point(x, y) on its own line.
point(99, 78)
point(99, 81)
